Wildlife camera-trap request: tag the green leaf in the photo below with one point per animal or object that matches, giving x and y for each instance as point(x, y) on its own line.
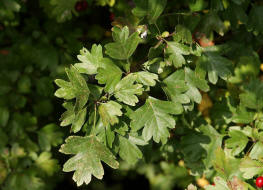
point(110, 136)
point(212, 22)
point(182, 34)
point(251, 168)
point(155, 65)
point(49, 136)
point(46, 164)
point(121, 128)
point(146, 78)
point(155, 117)
point(195, 80)
point(257, 151)
point(150, 8)
point(252, 97)
point(76, 88)
point(225, 166)
point(216, 66)
point(109, 112)
point(63, 10)
point(77, 119)
point(23, 181)
point(126, 91)
point(68, 116)
point(247, 67)
point(237, 141)
point(89, 153)
point(176, 87)
point(124, 45)
point(191, 146)
point(241, 115)
point(141, 8)
point(176, 51)
point(194, 94)
point(90, 61)
point(109, 74)
point(128, 151)
point(210, 148)
point(155, 9)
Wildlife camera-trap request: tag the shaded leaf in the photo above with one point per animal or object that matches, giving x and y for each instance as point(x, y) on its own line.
point(128, 151)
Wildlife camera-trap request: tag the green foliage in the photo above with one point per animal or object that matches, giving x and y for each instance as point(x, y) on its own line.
point(175, 95)
point(165, 59)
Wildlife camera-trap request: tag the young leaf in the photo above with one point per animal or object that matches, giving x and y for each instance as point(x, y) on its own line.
point(90, 61)
point(124, 45)
point(109, 112)
point(89, 153)
point(155, 116)
point(126, 91)
point(76, 88)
